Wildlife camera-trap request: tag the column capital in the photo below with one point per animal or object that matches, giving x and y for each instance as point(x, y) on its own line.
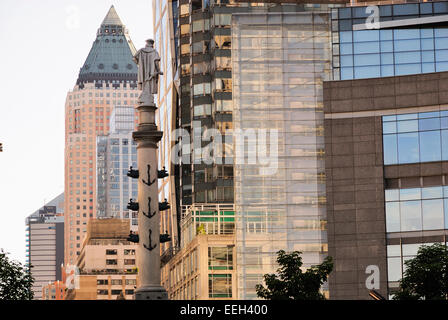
point(147, 138)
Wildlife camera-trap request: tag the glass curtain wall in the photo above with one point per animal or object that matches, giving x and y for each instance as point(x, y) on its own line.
point(382, 53)
point(165, 33)
point(279, 62)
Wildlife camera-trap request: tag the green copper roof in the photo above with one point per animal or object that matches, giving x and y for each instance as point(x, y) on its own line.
point(110, 57)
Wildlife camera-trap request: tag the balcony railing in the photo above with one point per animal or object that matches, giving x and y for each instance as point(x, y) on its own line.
point(207, 219)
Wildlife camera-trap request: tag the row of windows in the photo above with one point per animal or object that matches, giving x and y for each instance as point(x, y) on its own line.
point(115, 251)
point(395, 10)
point(115, 261)
point(416, 209)
point(116, 282)
point(380, 53)
point(101, 94)
point(413, 138)
point(189, 291)
point(114, 102)
point(184, 268)
point(359, 36)
point(115, 292)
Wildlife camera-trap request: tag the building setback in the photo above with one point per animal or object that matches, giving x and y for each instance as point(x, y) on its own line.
point(204, 268)
point(107, 264)
point(107, 79)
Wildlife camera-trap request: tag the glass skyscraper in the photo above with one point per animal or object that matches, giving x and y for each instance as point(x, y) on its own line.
point(116, 152)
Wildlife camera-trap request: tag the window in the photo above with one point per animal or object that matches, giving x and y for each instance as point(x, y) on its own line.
point(129, 261)
point(416, 209)
point(223, 84)
point(111, 251)
point(220, 285)
point(116, 282)
point(220, 258)
point(202, 110)
point(223, 63)
point(111, 261)
point(102, 282)
point(417, 137)
point(115, 292)
point(223, 42)
point(222, 19)
point(201, 88)
point(129, 252)
point(102, 292)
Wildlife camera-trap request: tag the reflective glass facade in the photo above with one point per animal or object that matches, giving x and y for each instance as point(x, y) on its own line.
point(415, 137)
point(279, 62)
point(116, 152)
point(165, 30)
point(416, 209)
point(389, 52)
point(397, 255)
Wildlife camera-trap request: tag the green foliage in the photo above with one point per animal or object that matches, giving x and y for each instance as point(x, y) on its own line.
point(290, 283)
point(15, 280)
point(200, 229)
point(426, 276)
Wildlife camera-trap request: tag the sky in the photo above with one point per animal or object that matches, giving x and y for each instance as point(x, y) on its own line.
point(43, 44)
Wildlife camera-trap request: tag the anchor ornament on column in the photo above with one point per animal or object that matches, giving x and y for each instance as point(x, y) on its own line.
point(149, 215)
point(150, 247)
point(148, 183)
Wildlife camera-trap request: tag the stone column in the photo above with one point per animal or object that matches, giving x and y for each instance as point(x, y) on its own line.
point(148, 253)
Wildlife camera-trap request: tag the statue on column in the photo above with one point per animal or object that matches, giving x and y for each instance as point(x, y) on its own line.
point(148, 61)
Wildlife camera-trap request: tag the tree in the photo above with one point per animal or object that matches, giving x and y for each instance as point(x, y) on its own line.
point(15, 280)
point(426, 276)
point(293, 284)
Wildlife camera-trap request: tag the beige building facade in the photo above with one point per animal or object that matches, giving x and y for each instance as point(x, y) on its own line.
point(106, 267)
point(204, 268)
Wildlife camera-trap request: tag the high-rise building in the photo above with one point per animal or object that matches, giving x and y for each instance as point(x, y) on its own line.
point(267, 93)
point(165, 30)
point(386, 143)
point(107, 79)
point(45, 244)
point(243, 66)
point(116, 152)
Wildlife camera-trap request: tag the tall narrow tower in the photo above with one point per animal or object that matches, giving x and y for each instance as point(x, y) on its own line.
point(107, 79)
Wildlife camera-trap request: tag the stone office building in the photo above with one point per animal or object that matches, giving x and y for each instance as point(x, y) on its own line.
point(386, 146)
point(385, 143)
